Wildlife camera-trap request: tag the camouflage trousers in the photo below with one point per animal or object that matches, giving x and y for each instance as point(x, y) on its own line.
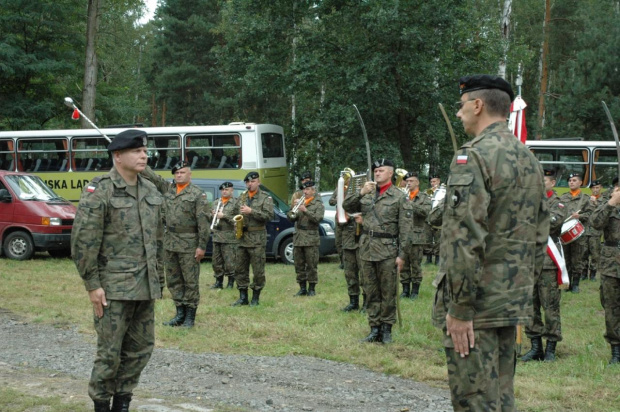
point(224, 259)
point(592, 251)
point(352, 271)
point(436, 237)
point(483, 380)
point(546, 297)
point(182, 278)
point(246, 257)
point(574, 255)
point(125, 341)
point(338, 236)
point(412, 269)
point(306, 262)
point(610, 300)
point(381, 288)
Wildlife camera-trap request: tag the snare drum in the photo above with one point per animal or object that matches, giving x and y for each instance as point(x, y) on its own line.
point(571, 230)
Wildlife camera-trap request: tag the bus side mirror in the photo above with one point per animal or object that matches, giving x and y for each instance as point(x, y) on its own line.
point(5, 196)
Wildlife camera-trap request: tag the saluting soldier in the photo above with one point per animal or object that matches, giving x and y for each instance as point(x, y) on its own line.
point(592, 253)
point(495, 228)
point(306, 239)
point(225, 242)
point(384, 228)
point(578, 206)
point(256, 208)
point(187, 218)
point(546, 292)
point(606, 217)
point(419, 205)
point(116, 247)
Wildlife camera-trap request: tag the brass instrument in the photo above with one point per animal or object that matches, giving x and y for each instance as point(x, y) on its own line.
point(430, 191)
point(296, 208)
point(438, 196)
point(356, 182)
point(216, 220)
point(400, 175)
point(343, 181)
point(238, 219)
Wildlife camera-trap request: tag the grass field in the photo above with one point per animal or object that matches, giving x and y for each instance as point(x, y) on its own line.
point(49, 291)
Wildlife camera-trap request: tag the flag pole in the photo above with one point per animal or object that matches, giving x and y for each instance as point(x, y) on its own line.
point(69, 103)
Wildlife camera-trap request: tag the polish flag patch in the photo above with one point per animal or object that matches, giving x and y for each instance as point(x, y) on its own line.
point(461, 160)
point(90, 189)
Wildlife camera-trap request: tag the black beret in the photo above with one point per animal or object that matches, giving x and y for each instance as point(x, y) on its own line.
point(614, 181)
point(578, 175)
point(226, 185)
point(549, 172)
point(179, 165)
point(250, 176)
point(305, 175)
point(595, 183)
point(411, 174)
point(381, 163)
point(484, 81)
point(128, 139)
point(433, 177)
point(309, 183)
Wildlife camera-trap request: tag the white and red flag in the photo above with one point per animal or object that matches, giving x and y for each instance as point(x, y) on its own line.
point(516, 122)
point(557, 257)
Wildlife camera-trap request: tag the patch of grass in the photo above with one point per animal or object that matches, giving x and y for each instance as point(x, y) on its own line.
point(50, 291)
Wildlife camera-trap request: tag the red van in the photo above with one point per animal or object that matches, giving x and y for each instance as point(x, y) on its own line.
point(33, 217)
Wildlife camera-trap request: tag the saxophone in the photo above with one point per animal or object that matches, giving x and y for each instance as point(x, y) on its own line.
point(238, 219)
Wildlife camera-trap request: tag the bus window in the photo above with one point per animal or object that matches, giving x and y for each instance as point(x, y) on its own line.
point(42, 155)
point(564, 161)
point(221, 151)
point(90, 154)
point(163, 151)
point(273, 145)
point(7, 157)
point(605, 166)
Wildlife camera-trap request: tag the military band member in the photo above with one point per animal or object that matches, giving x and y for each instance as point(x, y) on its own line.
point(225, 242)
point(546, 292)
point(303, 178)
point(606, 217)
point(306, 239)
point(592, 253)
point(578, 206)
point(116, 247)
point(494, 233)
point(186, 215)
point(256, 208)
point(419, 205)
point(384, 225)
point(435, 182)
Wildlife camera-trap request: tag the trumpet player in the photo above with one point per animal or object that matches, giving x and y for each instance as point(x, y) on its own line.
point(224, 240)
point(254, 209)
point(307, 215)
point(303, 178)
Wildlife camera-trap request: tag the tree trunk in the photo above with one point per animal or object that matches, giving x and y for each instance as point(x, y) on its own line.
point(505, 28)
point(90, 67)
point(544, 70)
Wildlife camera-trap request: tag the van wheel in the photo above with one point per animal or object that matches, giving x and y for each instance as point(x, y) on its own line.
point(286, 251)
point(60, 253)
point(18, 246)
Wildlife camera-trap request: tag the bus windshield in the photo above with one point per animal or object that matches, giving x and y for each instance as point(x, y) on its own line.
point(30, 188)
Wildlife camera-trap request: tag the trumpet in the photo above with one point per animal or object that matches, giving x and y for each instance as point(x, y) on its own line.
point(218, 209)
point(296, 208)
point(238, 226)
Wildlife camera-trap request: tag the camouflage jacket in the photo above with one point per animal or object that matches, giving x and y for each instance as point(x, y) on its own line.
point(419, 230)
point(254, 231)
point(349, 229)
point(186, 215)
point(590, 230)
point(224, 231)
point(580, 203)
point(607, 219)
point(116, 241)
point(495, 230)
point(385, 224)
point(557, 215)
point(307, 223)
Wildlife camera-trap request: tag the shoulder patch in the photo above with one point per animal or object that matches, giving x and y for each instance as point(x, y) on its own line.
point(461, 159)
point(561, 205)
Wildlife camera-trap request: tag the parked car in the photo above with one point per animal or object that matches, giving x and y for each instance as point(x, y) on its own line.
point(33, 217)
point(279, 229)
point(330, 211)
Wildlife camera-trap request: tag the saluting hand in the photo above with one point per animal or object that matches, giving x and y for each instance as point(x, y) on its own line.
point(97, 297)
point(462, 333)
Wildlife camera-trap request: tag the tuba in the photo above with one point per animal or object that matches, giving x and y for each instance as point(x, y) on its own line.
point(400, 175)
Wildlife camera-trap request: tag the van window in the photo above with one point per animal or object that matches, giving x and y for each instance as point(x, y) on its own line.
point(30, 188)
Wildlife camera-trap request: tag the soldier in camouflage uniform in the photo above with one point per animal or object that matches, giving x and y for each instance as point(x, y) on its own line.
point(116, 246)
point(418, 204)
point(578, 206)
point(546, 292)
point(306, 239)
point(187, 217)
point(592, 253)
point(225, 242)
point(494, 232)
point(606, 217)
point(256, 207)
point(385, 221)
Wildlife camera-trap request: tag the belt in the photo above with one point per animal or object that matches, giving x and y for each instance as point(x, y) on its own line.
point(372, 233)
point(300, 227)
point(612, 244)
point(253, 228)
point(182, 229)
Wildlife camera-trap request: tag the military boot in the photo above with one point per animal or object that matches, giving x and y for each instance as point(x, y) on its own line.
point(364, 303)
point(593, 275)
point(179, 318)
point(386, 333)
point(354, 303)
point(437, 260)
point(550, 351)
point(429, 259)
point(406, 291)
point(575, 286)
point(374, 336)
point(302, 289)
point(218, 283)
point(584, 274)
point(615, 354)
point(102, 406)
point(190, 317)
point(121, 403)
point(311, 291)
point(255, 297)
point(243, 298)
point(536, 353)
point(415, 290)
point(231, 282)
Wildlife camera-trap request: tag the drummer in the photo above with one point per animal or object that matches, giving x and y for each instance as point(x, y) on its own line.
point(578, 207)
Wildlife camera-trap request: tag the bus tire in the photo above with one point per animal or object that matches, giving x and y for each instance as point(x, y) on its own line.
point(286, 251)
point(19, 246)
point(60, 253)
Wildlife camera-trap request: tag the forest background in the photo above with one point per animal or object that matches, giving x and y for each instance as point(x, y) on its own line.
point(303, 64)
